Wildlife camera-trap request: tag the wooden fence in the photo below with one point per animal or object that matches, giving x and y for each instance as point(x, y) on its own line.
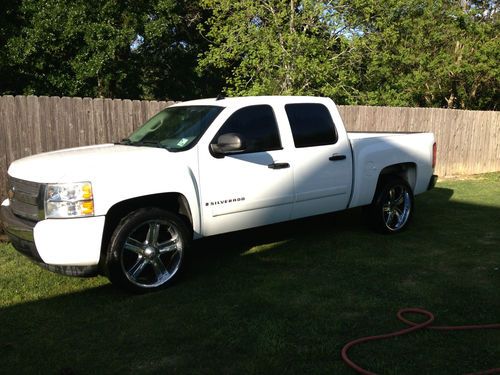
point(468, 141)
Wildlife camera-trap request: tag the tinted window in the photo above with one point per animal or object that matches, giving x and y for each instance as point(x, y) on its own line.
point(311, 124)
point(257, 125)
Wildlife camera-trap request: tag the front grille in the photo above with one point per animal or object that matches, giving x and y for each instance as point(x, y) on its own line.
point(25, 198)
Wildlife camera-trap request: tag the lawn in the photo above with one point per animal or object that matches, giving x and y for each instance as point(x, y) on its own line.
point(279, 299)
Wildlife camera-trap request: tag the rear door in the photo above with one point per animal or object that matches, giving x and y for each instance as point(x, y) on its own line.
point(322, 161)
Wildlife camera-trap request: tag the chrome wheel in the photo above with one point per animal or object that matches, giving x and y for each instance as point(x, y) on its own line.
point(392, 207)
point(396, 207)
point(152, 253)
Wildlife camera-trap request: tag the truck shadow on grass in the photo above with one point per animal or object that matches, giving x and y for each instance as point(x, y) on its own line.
point(283, 298)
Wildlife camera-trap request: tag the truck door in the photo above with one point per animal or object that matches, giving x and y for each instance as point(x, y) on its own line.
point(322, 161)
point(250, 188)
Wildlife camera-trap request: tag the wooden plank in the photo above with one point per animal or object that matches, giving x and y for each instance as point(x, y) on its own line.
point(145, 110)
point(451, 157)
point(59, 128)
point(137, 117)
point(47, 131)
point(465, 142)
point(489, 134)
point(3, 148)
point(87, 123)
point(72, 113)
point(55, 103)
point(78, 119)
point(438, 129)
point(98, 119)
point(118, 125)
point(128, 119)
point(23, 132)
point(153, 108)
point(108, 119)
point(33, 124)
point(10, 126)
point(494, 120)
point(67, 123)
point(476, 162)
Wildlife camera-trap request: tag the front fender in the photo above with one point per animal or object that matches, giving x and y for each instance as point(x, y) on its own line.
point(112, 189)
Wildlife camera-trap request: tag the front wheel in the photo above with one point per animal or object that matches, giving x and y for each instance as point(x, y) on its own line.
point(392, 207)
point(146, 251)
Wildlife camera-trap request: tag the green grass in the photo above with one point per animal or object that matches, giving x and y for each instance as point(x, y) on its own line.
point(280, 299)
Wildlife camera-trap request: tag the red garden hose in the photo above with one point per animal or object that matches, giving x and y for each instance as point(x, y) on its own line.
point(412, 327)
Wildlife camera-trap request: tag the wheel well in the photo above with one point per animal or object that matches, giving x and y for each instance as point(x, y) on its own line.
point(173, 202)
point(406, 171)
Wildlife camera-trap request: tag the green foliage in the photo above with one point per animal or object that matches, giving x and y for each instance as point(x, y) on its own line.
point(279, 47)
point(110, 48)
point(171, 43)
point(76, 48)
point(428, 53)
point(10, 23)
point(441, 53)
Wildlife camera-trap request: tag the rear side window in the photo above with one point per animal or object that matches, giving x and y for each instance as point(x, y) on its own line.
point(311, 124)
point(257, 125)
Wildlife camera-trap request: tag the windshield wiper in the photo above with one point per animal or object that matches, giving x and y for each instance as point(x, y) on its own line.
point(124, 141)
point(149, 143)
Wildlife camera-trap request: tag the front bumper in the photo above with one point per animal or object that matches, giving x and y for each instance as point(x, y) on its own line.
point(51, 235)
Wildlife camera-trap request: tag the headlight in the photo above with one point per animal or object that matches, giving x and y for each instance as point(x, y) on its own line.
point(69, 200)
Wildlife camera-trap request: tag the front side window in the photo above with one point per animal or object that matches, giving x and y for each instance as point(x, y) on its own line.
point(256, 125)
point(175, 128)
point(311, 124)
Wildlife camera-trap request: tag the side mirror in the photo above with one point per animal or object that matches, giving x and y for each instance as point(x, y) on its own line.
point(228, 143)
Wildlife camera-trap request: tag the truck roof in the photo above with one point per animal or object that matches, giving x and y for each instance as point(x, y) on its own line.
point(252, 100)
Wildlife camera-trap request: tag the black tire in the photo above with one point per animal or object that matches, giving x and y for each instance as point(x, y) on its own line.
point(147, 249)
point(392, 207)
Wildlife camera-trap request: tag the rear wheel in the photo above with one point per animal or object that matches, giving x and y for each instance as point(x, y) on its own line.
point(392, 207)
point(147, 249)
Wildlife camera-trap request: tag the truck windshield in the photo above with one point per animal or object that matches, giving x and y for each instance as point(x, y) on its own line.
point(175, 128)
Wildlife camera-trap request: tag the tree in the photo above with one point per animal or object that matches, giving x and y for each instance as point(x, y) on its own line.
point(430, 53)
point(169, 49)
point(107, 48)
point(10, 24)
point(77, 48)
point(279, 47)
point(438, 53)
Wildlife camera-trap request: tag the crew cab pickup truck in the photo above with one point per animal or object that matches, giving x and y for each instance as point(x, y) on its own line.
point(199, 168)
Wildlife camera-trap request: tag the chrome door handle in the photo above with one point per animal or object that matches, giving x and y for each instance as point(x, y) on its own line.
point(278, 165)
point(337, 157)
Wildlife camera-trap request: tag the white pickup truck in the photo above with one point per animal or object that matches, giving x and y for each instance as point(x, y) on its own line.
point(199, 168)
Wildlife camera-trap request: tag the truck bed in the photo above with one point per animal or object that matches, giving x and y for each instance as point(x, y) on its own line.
point(373, 151)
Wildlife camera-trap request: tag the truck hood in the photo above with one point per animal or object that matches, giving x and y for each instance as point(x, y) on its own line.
point(87, 163)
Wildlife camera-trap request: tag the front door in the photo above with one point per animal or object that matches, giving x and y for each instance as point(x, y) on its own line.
point(249, 188)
